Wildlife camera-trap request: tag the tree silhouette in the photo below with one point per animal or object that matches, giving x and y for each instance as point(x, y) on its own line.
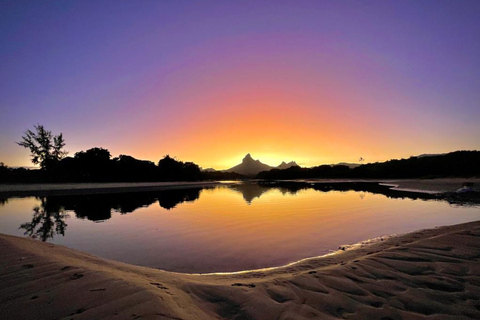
point(45, 148)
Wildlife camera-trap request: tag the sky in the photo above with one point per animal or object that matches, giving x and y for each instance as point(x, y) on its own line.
point(210, 81)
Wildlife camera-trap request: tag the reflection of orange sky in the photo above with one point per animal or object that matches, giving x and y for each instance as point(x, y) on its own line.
point(272, 216)
point(308, 219)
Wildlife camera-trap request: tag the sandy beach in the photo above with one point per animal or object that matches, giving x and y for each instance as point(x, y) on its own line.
point(429, 274)
point(49, 189)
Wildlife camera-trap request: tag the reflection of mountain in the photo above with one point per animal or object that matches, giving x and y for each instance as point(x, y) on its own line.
point(251, 167)
point(250, 191)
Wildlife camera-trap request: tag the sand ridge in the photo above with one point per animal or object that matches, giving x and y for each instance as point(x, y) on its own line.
point(429, 274)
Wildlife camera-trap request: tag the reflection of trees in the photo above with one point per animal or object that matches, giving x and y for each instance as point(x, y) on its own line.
point(169, 199)
point(98, 207)
point(48, 219)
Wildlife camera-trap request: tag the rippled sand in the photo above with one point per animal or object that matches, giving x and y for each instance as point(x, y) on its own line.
point(429, 274)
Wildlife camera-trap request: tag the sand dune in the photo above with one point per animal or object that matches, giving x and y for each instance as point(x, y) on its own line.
point(430, 274)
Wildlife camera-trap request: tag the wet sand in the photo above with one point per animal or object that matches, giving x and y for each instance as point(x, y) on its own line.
point(48, 189)
point(431, 185)
point(429, 274)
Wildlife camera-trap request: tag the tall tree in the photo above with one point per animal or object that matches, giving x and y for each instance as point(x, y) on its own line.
point(45, 148)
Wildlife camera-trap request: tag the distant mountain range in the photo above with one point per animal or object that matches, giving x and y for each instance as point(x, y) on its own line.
point(251, 167)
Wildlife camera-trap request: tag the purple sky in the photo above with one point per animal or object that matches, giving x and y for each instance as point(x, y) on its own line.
point(147, 78)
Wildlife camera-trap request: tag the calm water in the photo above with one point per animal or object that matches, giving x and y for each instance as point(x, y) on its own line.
point(226, 228)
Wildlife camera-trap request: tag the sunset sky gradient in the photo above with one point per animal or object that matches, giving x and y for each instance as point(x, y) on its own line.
point(209, 81)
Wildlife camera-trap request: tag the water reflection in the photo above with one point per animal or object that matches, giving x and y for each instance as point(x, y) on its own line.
point(169, 199)
point(250, 191)
point(49, 218)
point(225, 228)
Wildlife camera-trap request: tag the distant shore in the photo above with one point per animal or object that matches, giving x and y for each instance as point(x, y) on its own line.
point(439, 185)
point(428, 273)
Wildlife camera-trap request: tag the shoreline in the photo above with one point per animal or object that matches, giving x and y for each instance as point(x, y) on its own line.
point(422, 274)
point(429, 186)
point(433, 272)
point(45, 189)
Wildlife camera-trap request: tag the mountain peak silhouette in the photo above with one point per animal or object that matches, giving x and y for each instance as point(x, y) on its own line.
point(251, 167)
point(247, 158)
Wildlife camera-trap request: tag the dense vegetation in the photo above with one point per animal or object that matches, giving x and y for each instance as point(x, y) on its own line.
point(454, 164)
point(96, 165)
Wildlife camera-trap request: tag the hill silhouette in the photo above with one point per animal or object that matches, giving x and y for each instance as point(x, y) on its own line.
point(96, 165)
point(284, 165)
point(453, 164)
point(251, 167)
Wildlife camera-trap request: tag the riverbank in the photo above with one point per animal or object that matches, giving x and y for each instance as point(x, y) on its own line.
point(430, 273)
point(439, 185)
point(49, 189)
point(431, 186)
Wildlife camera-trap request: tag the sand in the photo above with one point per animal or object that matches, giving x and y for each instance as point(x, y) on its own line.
point(430, 274)
point(431, 185)
point(48, 189)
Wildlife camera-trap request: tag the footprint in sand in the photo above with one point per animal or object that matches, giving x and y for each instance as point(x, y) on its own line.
point(158, 285)
point(250, 285)
point(76, 276)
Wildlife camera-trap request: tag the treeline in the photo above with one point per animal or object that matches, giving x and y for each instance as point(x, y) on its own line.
point(97, 165)
point(454, 164)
